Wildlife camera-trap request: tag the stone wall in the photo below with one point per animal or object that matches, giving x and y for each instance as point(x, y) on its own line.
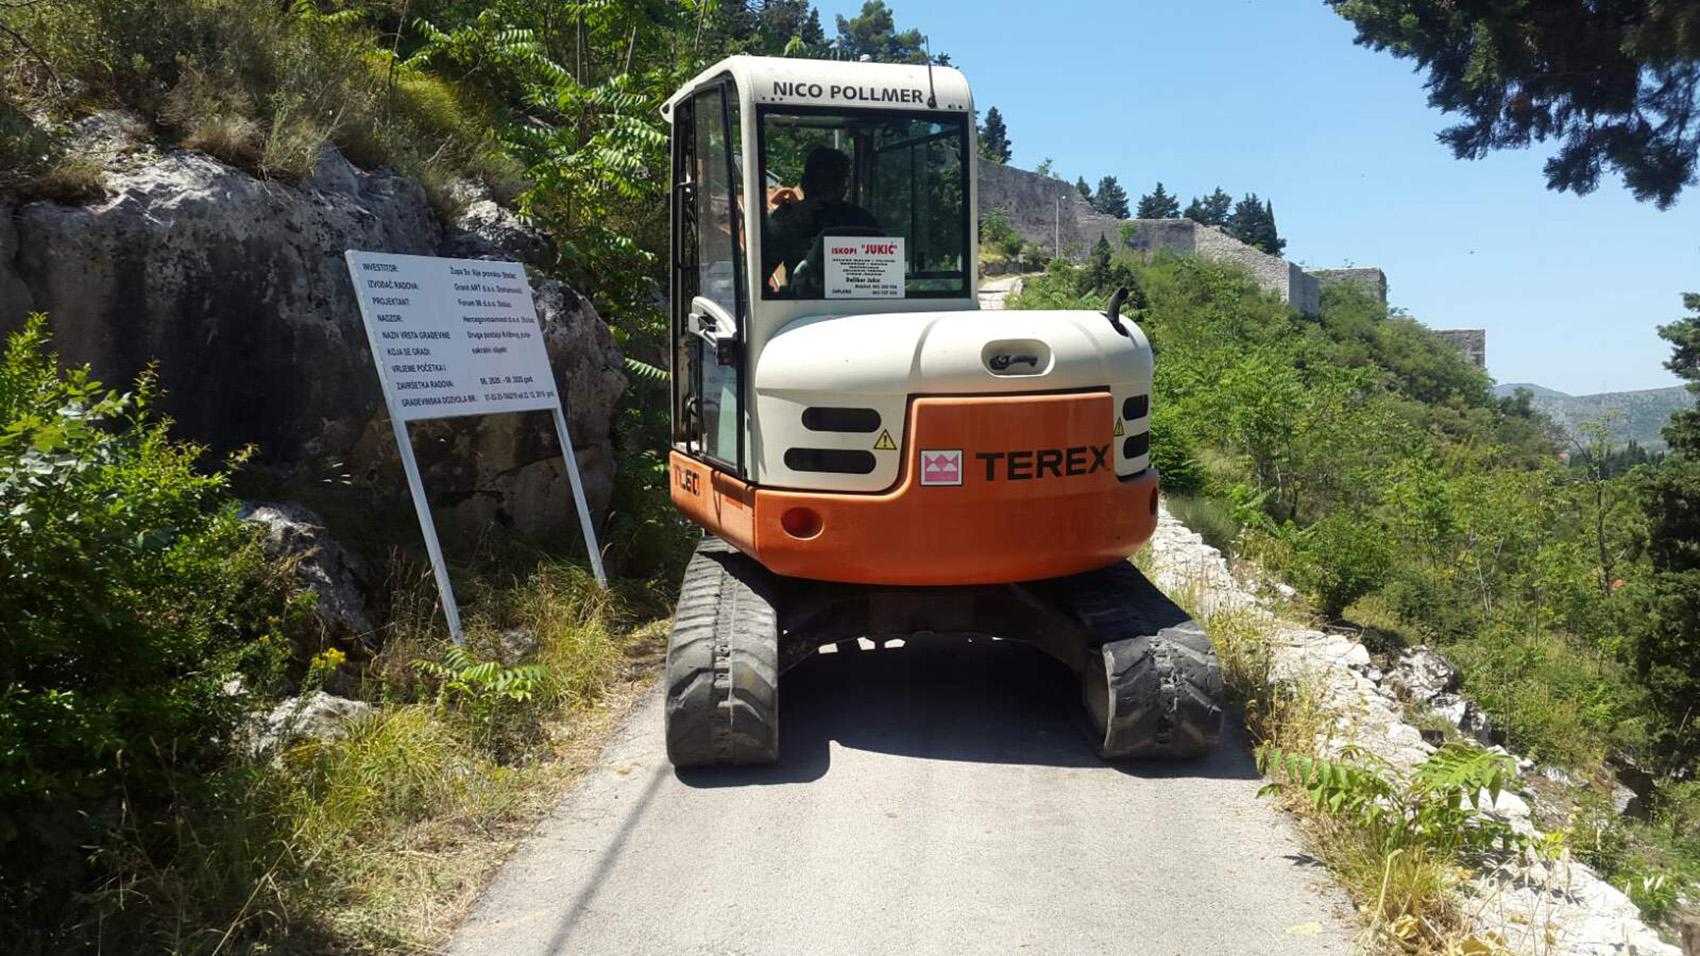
point(1272, 273)
point(1370, 278)
point(1471, 342)
point(1044, 210)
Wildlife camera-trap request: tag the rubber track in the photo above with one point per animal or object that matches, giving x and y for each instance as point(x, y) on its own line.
point(1161, 691)
point(723, 663)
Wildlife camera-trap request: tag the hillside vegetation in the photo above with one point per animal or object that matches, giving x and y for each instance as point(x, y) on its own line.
point(1373, 467)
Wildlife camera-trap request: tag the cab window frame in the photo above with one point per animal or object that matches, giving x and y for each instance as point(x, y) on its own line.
point(965, 224)
point(686, 277)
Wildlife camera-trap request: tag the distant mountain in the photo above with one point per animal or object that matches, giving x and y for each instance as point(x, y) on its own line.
point(1631, 416)
point(1539, 391)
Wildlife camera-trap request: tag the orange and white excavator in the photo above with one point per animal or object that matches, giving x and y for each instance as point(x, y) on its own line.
point(870, 454)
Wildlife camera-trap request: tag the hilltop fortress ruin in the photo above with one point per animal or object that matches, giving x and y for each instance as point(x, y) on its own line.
point(1051, 213)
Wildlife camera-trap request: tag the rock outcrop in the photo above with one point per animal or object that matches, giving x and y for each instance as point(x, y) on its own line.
point(317, 716)
point(337, 578)
point(237, 288)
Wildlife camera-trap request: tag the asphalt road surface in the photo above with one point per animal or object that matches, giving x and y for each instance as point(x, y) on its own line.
point(932, 798)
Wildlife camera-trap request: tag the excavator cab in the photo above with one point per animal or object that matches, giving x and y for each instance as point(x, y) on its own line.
point(869, 453)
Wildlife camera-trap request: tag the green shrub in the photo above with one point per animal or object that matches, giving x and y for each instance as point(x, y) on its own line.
point(1425, 599)
point(1175, 452)
point(131, 597)
point(998, 236)
point(1344, 556)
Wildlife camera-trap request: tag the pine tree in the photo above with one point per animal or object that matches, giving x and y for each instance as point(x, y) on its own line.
point(1667, 654)
point(1158, 204)
point(1211, 210)
point(873, 33)
point(1683, 432)
point(1608, 84)
point(1084, 188)
point(1111, 198)
point(791, 28)
point(994, 138)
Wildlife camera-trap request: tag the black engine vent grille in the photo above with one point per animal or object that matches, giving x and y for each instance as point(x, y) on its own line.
point(840, 461)
point(860, 420)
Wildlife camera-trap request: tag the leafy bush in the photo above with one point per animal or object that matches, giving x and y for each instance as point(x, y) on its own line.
point(1345, 556)
point(131, 598)
point(998, 236)
point(1175, 453)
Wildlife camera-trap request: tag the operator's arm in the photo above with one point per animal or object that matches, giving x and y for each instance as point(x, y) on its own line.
point(789, 232)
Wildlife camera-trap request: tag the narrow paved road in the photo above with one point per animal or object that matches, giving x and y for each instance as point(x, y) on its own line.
point(932, 798)
point(993, 292)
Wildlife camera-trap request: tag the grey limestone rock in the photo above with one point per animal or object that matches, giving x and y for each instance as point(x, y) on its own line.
point(1421, 674)
point(237, 288)
point(337, 577)
point(317, 716)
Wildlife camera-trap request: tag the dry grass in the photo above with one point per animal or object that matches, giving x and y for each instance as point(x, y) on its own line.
point(422, 817)
point(230, 137)
point(405, 885)
point(72, 180)
point(380, 841)
point(1281, 710)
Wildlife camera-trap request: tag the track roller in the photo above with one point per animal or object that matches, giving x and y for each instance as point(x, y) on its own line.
point(1151, 683)
point(723, 663)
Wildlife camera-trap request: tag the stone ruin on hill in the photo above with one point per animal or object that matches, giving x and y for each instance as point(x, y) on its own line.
point(1051, 213)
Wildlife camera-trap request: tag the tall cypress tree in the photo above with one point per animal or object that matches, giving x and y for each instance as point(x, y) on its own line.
point(1097, 274)
point(994, 138)
point(1158, 204)
point(1253, 223)
point(1111, 198)
point(1084, 188)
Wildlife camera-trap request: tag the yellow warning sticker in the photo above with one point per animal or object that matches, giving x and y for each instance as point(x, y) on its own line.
point(1120, 429)
point(885, 443)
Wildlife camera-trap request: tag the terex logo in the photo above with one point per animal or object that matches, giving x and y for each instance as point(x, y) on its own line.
point(1044, 462)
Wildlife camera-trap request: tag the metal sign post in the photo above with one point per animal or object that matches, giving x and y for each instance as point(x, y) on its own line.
point(457, 337)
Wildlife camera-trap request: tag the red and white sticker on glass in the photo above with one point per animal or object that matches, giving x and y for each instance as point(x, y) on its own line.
point(941, 467)
point(860, 267)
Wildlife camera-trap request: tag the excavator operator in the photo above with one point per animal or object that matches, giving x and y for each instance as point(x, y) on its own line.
point(797, 224)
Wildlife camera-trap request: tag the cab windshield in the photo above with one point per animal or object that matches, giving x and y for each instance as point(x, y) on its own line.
point(863, 205)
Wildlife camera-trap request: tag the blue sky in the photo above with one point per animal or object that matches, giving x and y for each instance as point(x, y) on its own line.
point(1272, 97)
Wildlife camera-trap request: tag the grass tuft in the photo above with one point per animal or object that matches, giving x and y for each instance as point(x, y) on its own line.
point(73, 180)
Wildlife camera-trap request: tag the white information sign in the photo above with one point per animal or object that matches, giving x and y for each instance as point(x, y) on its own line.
point(453, 336)
point(456, 337)
point(862, 267)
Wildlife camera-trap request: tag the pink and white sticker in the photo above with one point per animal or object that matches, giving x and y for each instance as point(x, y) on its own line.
point(941, 467)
